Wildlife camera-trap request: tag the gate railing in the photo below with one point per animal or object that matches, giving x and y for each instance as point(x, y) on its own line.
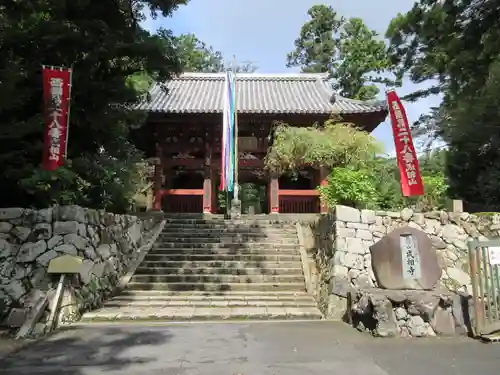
point(484, 259)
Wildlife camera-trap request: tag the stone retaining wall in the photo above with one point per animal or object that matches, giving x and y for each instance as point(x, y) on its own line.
point(356, 230)
point(29, 239)
point(341, 254)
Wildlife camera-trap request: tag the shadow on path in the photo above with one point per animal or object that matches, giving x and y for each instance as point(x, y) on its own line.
point(77, 351)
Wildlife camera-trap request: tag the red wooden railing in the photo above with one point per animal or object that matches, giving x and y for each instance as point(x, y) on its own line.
point(299, 201)
point(290, 201)
point(183, 200)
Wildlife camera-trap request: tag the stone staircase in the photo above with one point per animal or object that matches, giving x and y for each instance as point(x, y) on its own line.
point(217, 269)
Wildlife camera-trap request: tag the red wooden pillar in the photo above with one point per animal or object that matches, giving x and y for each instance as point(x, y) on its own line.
point(274, 199)
point(323, 175)
point(207, 182)
point(158, 172)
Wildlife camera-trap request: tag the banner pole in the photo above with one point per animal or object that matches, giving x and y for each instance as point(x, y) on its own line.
point(236, 155)
point(69, 111)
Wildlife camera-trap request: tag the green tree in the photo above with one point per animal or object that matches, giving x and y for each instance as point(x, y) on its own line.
point(332, 145)
point(110, 54)
point(345, 48)
point(196, 56)
point(350, 187)
point(453, 45)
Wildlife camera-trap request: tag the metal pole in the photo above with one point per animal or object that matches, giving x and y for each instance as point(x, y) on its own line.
point(236, 156)
point(69, 111)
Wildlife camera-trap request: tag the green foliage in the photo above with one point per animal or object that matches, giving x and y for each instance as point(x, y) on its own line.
point(345, 48)
point(112, 58)
point(196, 56)
point(386, 178)
point(453, 46)
point(435, 193)
point(62, 186)
point(333, 145)
point(350, 187)
point(376, 185)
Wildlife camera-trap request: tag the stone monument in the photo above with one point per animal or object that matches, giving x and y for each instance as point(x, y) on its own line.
point(405, 259)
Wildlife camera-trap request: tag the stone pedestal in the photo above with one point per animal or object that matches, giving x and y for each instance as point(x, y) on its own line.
point(235, 212)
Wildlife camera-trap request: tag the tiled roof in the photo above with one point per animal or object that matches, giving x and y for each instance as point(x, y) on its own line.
point(256, 93)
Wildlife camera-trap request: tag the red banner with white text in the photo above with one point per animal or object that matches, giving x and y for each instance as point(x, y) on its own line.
point(56, 95)
point(411, 180)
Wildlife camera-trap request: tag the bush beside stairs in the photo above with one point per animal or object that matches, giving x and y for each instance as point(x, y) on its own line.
point(215, 269)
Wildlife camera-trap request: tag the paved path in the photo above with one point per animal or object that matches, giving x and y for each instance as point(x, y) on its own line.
point(291, 348)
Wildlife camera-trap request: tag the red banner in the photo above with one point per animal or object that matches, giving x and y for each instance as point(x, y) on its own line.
point(56, 94)
point(411, 180)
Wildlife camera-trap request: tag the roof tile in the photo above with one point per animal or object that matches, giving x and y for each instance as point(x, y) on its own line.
point(256, 93)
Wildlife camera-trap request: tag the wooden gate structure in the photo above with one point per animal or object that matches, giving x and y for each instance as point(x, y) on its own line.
point(184, 127)
point(484, 259)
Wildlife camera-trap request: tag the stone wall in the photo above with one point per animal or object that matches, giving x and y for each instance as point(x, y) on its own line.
point(342, 252)
point(316, 250)
point(29, 239)
point(356, 230)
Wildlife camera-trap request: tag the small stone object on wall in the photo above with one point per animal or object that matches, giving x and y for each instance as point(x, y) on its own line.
point(405, 259)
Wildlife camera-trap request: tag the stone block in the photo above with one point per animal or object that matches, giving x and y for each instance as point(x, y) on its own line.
point(387, 261)
point(348, 214)
point(5, 227)
point(46, 257)
point(443, 322)
point(77, 241)
point(364, 234)
point(355, 261)
point(340, 271)
point(358, 226)
point(368, 216)
point(54, 241)
point(345, 232)
point(406, 214)
point(42, 231)
point(65, 227)
point(354, 245)
point(337, 307)
point(21, 232)
point(30, 251)
point(66, 249)
point(11, 213)
point(71, 213)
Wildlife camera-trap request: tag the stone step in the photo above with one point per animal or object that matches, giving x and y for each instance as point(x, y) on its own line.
point(180, 256)
point(201, 237)
point(224, 245)
point(215, 278)
point(193, 313)
point(189, 270)
point(211, 301)
point(226, 264)
point(230, 230)
point(212, 225)
point(200, 294)
point(223, 250)
point(214, 287)
point(226, 240)
point(221, 220)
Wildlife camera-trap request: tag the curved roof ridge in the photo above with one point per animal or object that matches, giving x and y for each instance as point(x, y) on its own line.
point(253, 76)
point(374, 102)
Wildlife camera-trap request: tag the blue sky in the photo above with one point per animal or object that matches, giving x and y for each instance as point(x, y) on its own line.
point(263, 32)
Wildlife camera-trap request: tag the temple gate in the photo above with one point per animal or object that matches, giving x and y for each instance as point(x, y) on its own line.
point(184, 128)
